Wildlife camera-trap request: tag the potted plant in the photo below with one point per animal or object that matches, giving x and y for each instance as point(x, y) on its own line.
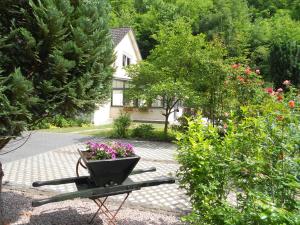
point(109, 164)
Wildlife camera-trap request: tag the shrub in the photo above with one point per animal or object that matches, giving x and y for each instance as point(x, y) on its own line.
point(121, 125)
point(143, 131)
point(250, 175)
point(61, 121)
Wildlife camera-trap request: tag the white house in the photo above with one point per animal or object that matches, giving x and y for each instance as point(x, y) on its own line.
point(127, 52)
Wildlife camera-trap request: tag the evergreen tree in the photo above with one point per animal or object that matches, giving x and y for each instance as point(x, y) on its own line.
point(55, 58)
point(285, 63)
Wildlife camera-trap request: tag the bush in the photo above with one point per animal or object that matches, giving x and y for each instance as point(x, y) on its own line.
point(121, 125)
point(143, 131)
point(61, 121)
point(250, 175)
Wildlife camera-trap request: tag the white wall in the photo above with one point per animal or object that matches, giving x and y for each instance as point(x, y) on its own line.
point(125, 47)
point(102, 114)
point(153, 114)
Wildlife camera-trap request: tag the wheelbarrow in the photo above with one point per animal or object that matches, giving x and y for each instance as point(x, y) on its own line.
point(86, 188)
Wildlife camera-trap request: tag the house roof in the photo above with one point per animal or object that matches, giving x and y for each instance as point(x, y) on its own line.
point(118, 34)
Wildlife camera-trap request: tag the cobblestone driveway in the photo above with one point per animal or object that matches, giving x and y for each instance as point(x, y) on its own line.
point(60, 163)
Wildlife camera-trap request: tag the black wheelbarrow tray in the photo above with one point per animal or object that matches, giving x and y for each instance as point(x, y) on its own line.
point(87, 189)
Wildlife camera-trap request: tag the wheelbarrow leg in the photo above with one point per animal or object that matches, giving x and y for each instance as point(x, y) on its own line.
point(100, 206)
point(116, 213)
point(111, 217)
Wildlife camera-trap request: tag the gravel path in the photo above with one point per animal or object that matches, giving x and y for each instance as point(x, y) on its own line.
point(15, 208)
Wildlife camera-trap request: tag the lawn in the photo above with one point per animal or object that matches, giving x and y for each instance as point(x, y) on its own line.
point(98, 131)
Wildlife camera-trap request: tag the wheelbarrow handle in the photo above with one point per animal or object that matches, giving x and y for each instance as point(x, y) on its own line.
point(98, 192)
point(59, 181)
point(139, 171)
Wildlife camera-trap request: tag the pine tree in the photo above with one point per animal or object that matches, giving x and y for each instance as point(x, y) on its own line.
point(55, 58)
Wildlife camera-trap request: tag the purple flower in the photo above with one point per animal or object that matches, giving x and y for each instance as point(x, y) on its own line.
point(111, 151)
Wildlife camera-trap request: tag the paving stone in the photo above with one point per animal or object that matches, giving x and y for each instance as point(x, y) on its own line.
point(60, 163)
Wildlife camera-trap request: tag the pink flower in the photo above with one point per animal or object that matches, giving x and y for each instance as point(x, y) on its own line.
point(257, 71)
point(279, 90)
point(287, 82)
point(269, 90)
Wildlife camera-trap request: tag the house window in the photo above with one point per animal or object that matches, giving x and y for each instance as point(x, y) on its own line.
point(118, 84)
point(126, 61)
point(117, 98)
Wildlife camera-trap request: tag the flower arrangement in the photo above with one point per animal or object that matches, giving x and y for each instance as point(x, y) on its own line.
point(99, 151)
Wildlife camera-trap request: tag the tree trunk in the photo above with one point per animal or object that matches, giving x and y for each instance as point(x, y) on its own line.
point(1, 176)
point(166, 125)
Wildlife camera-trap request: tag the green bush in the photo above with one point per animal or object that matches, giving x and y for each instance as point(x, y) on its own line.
point(143, 131)
point(250, 175)
point(121, 125)
point(61, 121)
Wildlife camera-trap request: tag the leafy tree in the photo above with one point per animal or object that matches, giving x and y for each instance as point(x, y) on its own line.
point(164, 74)
point(267, 33)
point(150, 83)
point(123, 13)
point(230, 20)
point(182, 67)
point(268, 8)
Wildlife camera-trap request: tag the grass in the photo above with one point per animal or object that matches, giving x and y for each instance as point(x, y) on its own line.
point(107, 131)
point(79, 130)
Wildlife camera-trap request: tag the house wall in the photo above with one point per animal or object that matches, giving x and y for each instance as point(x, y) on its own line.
point(153, 114)
point(105, 113)
point(102, 114)
point(125, 47)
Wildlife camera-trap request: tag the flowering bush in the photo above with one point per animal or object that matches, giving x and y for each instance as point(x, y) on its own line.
point(98, 151)
point(251, 174)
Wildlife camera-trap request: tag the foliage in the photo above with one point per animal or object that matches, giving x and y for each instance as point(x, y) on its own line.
point(249, 28)
point(56, 58)
point(121, 125)
point(285, 62)
point(15, 101)
point(61, 121)
point(99, 151)
point(268, 8)
point(228, 19)
point(268, 33)
point(183, 121)
point(250, 175)
point(143, 131)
